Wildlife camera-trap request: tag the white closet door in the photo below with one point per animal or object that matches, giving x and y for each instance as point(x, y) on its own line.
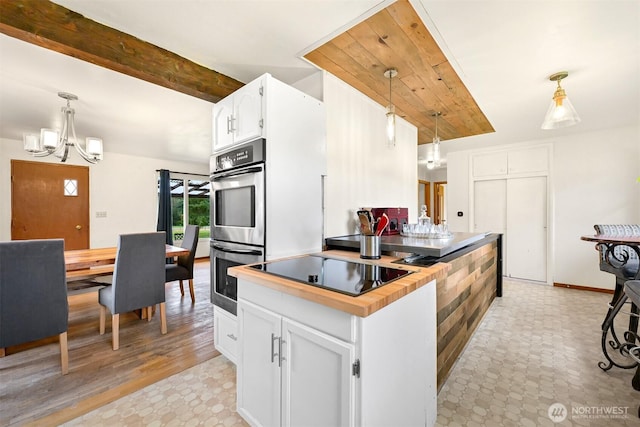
point(527, 226)
point(490, 210)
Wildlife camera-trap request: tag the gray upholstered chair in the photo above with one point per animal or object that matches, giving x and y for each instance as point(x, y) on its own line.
point(33, 294)
point(183, 270)
point(137, 281)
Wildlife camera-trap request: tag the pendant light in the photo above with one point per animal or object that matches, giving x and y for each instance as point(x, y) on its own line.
point(561, 112)
point(51, 141)
point(390, 73)
point(436, 144)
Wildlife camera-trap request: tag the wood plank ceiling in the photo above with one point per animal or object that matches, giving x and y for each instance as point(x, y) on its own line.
point(426, 82)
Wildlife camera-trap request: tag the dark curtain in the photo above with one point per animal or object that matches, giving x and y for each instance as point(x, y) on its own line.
point(164, 206)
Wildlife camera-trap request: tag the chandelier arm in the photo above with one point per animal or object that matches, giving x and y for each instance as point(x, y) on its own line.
point(43, 153)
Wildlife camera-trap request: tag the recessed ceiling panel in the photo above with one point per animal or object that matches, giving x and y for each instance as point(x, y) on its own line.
point(426, 82)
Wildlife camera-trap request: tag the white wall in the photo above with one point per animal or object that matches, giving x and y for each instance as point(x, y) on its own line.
point(593, 182)
point(122, 185)
point(361, 170)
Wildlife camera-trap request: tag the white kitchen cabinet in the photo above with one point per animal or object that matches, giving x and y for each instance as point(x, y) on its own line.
point(301, 363)
point(529, 160)
point(225, 333)
point(239, 116)
point(292, 375)
point(489, 164)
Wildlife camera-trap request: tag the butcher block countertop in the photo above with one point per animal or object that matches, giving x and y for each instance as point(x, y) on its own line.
point(362, 305)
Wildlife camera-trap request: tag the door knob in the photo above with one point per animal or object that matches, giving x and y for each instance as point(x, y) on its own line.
point(78, 227)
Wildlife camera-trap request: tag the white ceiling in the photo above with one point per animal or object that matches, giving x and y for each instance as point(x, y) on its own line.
point(503, 51)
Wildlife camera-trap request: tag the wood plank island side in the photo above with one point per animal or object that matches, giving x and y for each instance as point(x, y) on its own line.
point(463, 294)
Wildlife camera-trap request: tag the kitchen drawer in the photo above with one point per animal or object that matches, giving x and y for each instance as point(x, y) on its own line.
point(225, 333)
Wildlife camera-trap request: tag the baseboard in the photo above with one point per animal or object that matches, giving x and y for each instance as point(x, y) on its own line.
point(582, 288)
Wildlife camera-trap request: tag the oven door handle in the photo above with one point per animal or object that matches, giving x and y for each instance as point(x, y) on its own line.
point(237, 251)
point(220, 176)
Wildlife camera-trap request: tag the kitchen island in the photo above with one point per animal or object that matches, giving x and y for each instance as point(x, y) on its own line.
point(464, 294)
point(313, 356)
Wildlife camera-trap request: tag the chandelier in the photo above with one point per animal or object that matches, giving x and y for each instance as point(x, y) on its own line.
point(50, 141)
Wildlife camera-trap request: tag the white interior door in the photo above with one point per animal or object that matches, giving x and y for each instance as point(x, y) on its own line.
point(527, 227)
point(490, 210)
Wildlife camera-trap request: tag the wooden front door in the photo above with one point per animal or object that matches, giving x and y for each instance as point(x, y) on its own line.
point(48, 201)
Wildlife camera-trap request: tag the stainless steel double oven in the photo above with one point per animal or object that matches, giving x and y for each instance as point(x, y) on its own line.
point(237, 216)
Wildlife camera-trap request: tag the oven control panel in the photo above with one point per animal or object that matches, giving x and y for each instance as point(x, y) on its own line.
point(244, 154)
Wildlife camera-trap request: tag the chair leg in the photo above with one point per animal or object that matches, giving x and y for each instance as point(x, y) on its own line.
point(193, 294)
point(181, 288)
point(149, 314)
point(163, 319)
point(2, 353)
point(115, 331)
point(103, 314)
point(64, 353)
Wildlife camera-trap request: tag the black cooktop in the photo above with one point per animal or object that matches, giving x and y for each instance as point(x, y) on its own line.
point(347, 277)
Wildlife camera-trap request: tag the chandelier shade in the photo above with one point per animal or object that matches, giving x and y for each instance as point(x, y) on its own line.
point(561, 112)
point(52, 141)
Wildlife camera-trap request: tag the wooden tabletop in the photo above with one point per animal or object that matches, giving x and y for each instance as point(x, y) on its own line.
point(619, 240)
point(90, 260)
point(362, 305)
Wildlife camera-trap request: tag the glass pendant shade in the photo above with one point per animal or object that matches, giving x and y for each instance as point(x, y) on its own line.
point(32, 143)
point(560, 113)
point(94, 147)
point(49, 138)
point(391, 126)
point(436, 151)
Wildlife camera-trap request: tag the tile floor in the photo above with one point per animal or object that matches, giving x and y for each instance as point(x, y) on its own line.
point(537, 346)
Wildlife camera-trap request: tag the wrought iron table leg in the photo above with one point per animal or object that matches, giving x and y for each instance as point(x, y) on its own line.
point(608, 326)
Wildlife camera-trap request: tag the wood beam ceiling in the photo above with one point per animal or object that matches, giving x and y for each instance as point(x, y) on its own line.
point(54, 27)
point(426, 82)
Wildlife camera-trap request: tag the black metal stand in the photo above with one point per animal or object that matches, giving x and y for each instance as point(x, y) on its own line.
point(628, 348)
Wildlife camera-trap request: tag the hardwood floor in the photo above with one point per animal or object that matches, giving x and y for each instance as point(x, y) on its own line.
point(33, 391)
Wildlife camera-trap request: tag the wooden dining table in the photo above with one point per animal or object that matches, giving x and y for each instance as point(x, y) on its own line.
point(99, 261)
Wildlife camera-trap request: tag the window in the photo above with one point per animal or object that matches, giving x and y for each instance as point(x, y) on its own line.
point(189, 199)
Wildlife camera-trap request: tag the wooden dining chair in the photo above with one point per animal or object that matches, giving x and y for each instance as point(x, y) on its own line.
point(183, 269)
point(33, 294)
point(137, 281)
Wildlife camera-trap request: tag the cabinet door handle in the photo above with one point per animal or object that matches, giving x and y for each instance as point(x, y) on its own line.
point(232, 119)
point(228, 125)
point(233, 337)
point(281, 357)
point(273, 347)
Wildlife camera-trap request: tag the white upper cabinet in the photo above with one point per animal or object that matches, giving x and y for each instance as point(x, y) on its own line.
point(529, 160)
point(489, 164)
point(520, 161)
point(239, 116)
